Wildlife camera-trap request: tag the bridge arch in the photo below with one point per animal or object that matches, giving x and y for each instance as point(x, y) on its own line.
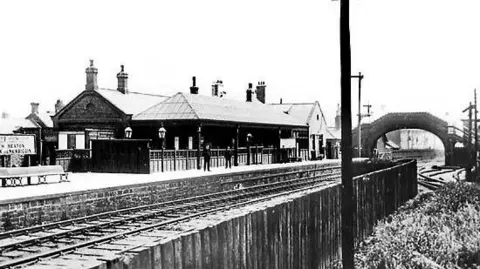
point(396, 121)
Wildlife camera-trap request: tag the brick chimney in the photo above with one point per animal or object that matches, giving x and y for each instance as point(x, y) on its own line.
point(59, 105)
point(217, 87)
point(122, 81)
point(34, 108)
point(260, 91)
point(249, 92)
point(338, 118)
point(91, 77)
point(194, 88)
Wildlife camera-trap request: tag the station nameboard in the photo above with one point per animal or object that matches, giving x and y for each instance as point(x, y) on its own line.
point(17, 144)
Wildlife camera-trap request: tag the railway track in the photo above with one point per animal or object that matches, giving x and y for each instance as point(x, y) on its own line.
point(430, 176)
point(27, 246)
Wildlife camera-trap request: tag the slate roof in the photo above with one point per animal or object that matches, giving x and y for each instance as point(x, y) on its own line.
point(185, 106)
point(8, 126)
point(333, 133)
point(44, 118)
point(132, 102)
point(301, 111)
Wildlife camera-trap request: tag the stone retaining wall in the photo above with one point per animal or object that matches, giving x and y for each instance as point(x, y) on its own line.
point(29, 211)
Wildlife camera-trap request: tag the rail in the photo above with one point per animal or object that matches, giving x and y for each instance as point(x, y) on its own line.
point(28, 245)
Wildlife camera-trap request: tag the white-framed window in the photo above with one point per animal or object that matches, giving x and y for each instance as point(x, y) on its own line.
point(71, 140)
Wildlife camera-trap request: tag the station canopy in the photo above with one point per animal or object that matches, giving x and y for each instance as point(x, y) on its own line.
point(185, 106)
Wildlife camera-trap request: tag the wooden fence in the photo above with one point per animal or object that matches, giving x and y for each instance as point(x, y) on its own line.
point(74, 160)
point(177, 160)
point(79, 160)
point(378, 194)
point(298, 233)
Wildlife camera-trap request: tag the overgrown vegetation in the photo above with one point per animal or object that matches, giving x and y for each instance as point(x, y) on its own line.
point(439, 230)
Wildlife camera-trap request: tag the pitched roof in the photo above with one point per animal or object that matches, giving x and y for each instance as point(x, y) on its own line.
point(8, 126)
point(333, 133)
point(301, 111)
point(42, 119)
point(131, 103)
point(185, 106)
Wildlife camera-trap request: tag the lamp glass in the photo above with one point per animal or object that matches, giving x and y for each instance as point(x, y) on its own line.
point(128, 132)
point(162, 132)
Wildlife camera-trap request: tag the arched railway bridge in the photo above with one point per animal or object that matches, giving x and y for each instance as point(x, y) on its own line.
point(371, 132)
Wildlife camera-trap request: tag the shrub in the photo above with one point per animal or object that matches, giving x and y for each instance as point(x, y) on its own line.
point(432, 231)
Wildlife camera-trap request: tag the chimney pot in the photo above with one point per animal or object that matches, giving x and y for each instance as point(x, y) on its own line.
point(260, 91)
point(281, 101)
point(59, 105)
point(216, 87)
point(34, 108)
point(122, 81)
point(194, 88)
point(249, 92)
point(91, 72)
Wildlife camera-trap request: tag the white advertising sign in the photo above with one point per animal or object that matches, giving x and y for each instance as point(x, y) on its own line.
point(287, 143)
point(17, 144)
point(190, 142)
point(177, 143)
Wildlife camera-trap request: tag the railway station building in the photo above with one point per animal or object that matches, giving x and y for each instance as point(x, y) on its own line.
point(312, 115)
point(189, 118)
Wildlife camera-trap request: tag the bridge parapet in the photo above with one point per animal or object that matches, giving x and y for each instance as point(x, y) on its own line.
point(405, 120)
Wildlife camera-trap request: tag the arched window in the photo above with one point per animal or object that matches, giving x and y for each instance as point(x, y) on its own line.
point(89, 106)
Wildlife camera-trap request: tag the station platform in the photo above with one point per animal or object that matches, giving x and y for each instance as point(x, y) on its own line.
point(80, 182)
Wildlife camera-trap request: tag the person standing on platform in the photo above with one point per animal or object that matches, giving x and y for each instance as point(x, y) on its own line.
point(228, 158)
point(206, 157)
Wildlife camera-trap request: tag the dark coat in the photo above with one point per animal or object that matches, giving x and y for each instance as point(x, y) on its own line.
point(228, 153)
point(206, 151)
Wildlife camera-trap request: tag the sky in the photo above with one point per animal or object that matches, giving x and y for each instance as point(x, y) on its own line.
point(415, 55)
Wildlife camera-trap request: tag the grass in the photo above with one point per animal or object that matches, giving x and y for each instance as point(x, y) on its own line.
point(439, 230)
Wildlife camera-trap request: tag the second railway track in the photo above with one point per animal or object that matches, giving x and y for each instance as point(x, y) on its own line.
point(28, 245)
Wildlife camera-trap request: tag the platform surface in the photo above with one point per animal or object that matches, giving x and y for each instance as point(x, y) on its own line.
point(92, 181)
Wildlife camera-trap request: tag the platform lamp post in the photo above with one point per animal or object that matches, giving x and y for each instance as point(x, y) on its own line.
point(199, 138)
point(128, 132)
point(249, 139)
point(161, 134)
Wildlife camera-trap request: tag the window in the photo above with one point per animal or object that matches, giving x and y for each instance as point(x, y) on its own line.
point(90, 106)
point(71, 141)
point(62, 141)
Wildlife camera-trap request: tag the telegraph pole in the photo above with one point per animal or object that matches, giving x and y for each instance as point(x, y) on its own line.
point(476, 137)
point(348, 204)
point(360, 77)
point(469, 142)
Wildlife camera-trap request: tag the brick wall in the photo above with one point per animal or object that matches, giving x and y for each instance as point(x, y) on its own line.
point(25, 212)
